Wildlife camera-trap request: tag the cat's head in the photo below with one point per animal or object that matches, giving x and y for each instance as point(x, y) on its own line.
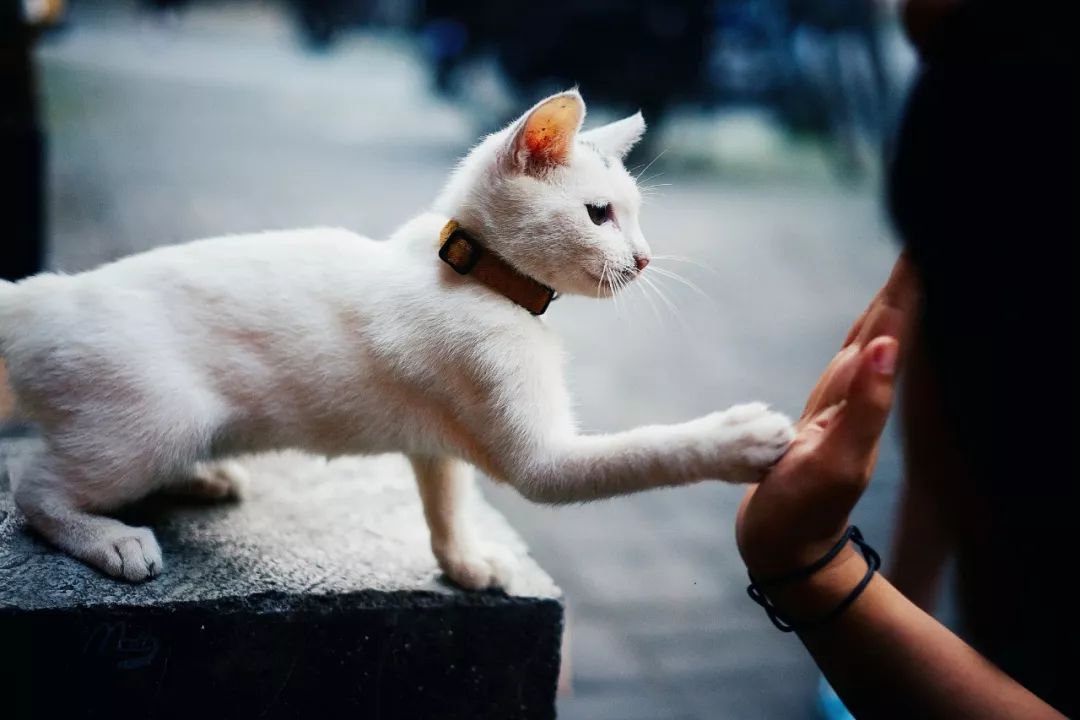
point(556, 202)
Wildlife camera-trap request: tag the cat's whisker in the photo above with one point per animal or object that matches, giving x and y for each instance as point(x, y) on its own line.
point(643, 170)
point(633, 315)
point(652, 177)
point(623, 284)
point(652, 188)
point(688, 261)
point(600, 282)
point(685, 281)
point(645, 292)
point(664, 298)
point(624, 312)
point(614, 293)
point(670, 305)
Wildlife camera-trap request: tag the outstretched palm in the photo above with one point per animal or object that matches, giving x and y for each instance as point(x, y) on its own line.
point(801, 506)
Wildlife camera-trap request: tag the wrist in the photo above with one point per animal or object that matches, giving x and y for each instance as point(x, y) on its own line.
point(781, 556)
point(812, 597)
point(815, 594)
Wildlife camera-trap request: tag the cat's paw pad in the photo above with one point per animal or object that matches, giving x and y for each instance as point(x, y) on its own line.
point(131, 554)
point(485, 567)
point(215, 482)
point(761, 437)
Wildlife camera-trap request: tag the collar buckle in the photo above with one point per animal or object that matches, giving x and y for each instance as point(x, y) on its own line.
point(460, 251)
point(466, 256)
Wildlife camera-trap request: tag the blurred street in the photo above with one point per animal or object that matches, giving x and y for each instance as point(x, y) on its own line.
point(217, 122)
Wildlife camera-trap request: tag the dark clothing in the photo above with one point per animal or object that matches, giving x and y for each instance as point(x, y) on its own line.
point(22, 177)
point(982, 191)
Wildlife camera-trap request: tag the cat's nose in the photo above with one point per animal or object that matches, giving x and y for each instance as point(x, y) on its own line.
point(641, 261)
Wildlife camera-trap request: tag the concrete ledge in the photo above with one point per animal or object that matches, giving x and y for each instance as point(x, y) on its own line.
point(317, 597)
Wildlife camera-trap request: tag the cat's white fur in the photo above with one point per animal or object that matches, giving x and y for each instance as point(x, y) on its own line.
point(149, 373)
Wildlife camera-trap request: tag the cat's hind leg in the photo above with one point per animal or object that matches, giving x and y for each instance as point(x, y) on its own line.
point(446, 488)
point(44, 495)
point(222, 480)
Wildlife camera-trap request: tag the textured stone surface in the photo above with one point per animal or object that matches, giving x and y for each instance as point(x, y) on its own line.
point(315, 597)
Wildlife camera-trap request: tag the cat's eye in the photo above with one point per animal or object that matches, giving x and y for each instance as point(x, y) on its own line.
point(599, 214)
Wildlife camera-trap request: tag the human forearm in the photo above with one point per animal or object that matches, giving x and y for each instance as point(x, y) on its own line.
point(887, 658)
point(919, 549)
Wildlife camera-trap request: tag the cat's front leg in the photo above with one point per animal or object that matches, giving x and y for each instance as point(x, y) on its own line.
point(446, 489)
point(735, 445)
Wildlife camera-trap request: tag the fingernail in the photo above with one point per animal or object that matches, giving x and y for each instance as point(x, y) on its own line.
point(884, 358)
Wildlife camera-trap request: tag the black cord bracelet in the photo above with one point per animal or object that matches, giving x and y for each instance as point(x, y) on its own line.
point(784, 624)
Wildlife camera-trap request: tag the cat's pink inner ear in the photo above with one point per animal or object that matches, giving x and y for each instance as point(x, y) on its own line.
point(548, 135)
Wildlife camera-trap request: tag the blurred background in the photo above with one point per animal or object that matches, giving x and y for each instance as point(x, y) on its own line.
point(125, 125)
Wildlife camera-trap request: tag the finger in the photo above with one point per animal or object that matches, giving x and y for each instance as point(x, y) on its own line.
point(894, 306)
point(857, 326)
point(890, 313)
point(834, 382)
point(903, 280)
point(899, 278)
point(883, 319)
point(849, 444)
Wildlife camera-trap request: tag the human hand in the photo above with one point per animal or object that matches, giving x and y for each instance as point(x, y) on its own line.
point(800, 508)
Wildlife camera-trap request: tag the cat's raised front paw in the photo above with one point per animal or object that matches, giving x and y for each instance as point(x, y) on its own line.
point(760, 437)
point(483, 567)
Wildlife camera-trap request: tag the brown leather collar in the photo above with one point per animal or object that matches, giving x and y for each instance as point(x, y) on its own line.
point(461, 251)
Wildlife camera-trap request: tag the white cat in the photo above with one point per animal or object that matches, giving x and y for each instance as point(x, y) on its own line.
point(153, 371)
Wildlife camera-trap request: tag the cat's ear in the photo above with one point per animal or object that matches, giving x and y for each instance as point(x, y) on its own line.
point(544, 137)
point(617, 138)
